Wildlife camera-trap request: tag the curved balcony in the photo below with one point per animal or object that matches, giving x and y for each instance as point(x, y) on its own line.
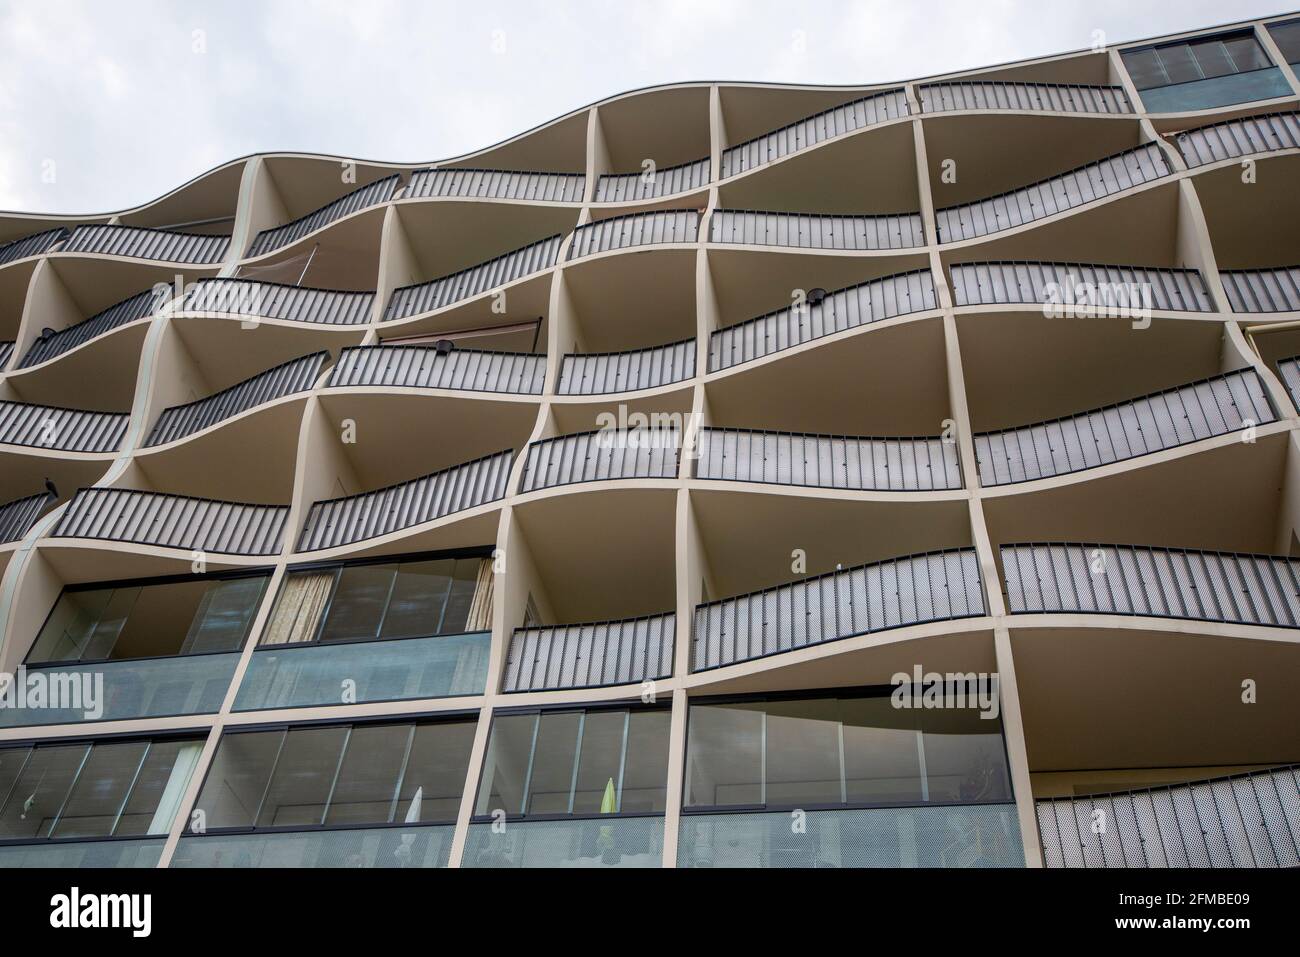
point(1121, 289)
point(593, 655)
point(634, 187)
point(1153, 582)
point(847, 308)
point(816, 231)
point(1246, 820)
point(354, 518)
point(1246, 136)
point(602, 373)
point(1125, 430)
point(424, 367)
point(913, 590)
point(17, 517)
point(467, 283)
point(128, 310)
point(859, 114)
point(602, 455)
point(32, 245)
point(1080, 186)
point(828, 461)
point(1263, 290)
point(63, 430)
point(269, 240)
point(159, 245)
point(999, 95)
point(173, 521)
point(272, 300)
point(635, 229)
point(288, 378)
point(496, 184)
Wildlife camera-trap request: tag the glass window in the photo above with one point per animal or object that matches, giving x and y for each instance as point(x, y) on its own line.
point(1205, 58)
point(600, 762)
point(550, 778)
point(34, 801)
point(419, 596)
point(304, 775)
point(357, 606)
point(99, 794)
point(237, 780)
point(434, 779)
point(1287, 38)
point(368, 777)
point(1179, 63)
point(224, 616)
point(882, 753)
point(724, 755)
point(803, 753)
point(1145, 69)
point(645, 769)
point(505, 773)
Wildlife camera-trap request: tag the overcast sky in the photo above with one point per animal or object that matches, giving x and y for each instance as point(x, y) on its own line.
point(118, 102)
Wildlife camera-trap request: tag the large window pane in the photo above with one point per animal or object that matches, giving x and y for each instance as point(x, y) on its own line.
point(803, 753)
point(419, 594)
point(505, 773)
point(882, 758)
point(304, 774)
point(436, 771)
point(357, 606)
point(366, 792)
point(68, 629)
point(42, 786)
point(551, 779)
point(645, 769)
point(1246, 54)
point(461, 597)
point(965, 759)
point(1287, 38)
point(1145, 69)
point(238, 778)
point(101, 790)
point(224, 616)
point(159, 788)
point(1179, 64)
point(599, 762)
point(724, 755)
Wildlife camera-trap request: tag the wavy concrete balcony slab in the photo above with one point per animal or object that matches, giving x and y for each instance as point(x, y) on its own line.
point(33, 245)
point(271, 300)
point(1152, 581)
point(601, 455)
point(1080, 285)
point(59, 429)
point(1263, 290)
point(635, 229)
point(643, 184)
point(269, 240)
point(288, 378)
point(1000, 95)
point(17, 517)
point(591, 655)
point(424, 297)
point(355, 518)
point(424, 367)
point(158, 245)
point(139, 306)
point(602, 373)
point(843, 309)
point(1245, 136)
point(912, 590)
point(1246, 820)
point(1125, 430)
point(1086, 184)
point(496, 184)
point(828, 461)
point(816, 231)
point(828, 124)
point(173, 521)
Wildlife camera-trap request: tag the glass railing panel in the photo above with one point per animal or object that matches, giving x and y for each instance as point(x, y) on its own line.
point(590, 842)
point(407, 846)
point(1217, 91)
point(112, 853)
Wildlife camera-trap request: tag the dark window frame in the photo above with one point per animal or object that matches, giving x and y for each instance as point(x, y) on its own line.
point(1245, 33)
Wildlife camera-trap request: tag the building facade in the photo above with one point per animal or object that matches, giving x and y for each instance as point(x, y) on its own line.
point(720, 475)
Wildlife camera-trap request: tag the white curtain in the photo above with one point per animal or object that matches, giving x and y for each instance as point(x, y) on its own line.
point(298, 612)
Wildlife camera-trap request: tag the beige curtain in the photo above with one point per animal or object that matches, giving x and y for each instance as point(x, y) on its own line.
point(480, 609)
point(298, 612)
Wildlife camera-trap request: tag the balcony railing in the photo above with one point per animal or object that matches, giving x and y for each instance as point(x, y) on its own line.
point(602, 455)
point(65, 430)
point(296, 676)
point(600, 373)
point(173, 521)
point(849, 308)
point(1263, 290)
point(160, 245)
point(1083, 286)
point(17, 517)
point(995, 95)
point(6, 350)
point(861, 113)
point(828, 461)
point(32, 245)
point(269, 240)
point(354, 518)
point(143, 688)
point(913, 590)
point(424, 367)
point(1290, 369)
point(496, 184)
point(288, 378)
point(630, 187)
point(1246, 136)
point(1088, 183)
point(142, 852)
point(1247, 820)
point(593, 655)
point(611, 841)
point(428, 296)
point(1152, 582)
point(635, 229)
point(272, 300)
point(409, 845)
point(1125, 430)
point(128, 310)
point(816, 231)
